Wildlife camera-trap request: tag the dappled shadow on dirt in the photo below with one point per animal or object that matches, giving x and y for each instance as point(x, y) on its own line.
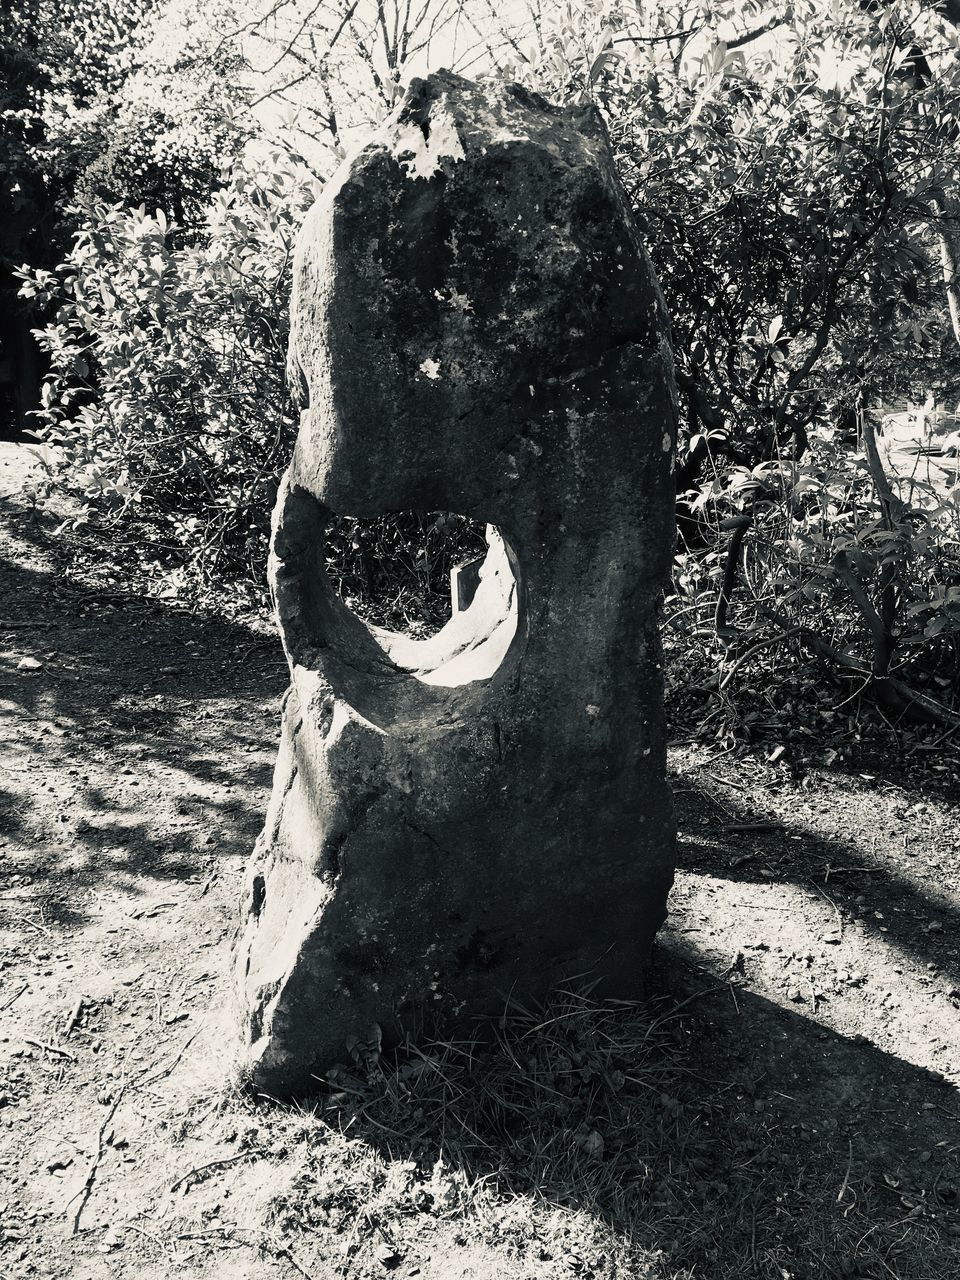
point(12, 805)
point(894, 871)
point(124, 721)
point(760, 1144)
point(797, 1122)
point(910, 765)
point(723, 1128)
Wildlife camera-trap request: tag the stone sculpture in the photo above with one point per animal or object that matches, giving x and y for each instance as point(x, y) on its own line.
point(475, 328)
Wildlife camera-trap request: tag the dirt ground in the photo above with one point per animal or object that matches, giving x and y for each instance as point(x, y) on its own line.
point(812, 959)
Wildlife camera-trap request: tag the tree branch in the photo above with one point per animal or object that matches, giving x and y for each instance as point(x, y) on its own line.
point(889, 691)
point(880, 636)
point(749, 36)
point(755, 649)
point(662, 39)
point(731, 569)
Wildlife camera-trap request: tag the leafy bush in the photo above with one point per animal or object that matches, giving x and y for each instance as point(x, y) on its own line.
point(167, 401)
point(793, 170)
point(395, 570)
point(166, 394)
point(797, 206)
point(859, 569)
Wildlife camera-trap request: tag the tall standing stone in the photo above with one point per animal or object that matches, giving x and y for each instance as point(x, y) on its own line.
point(476, 328)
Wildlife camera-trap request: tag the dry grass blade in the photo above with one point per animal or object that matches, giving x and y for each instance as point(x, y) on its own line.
point(579, 1138)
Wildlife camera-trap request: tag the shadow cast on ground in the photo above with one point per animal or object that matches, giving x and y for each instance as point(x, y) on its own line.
point(748, 846)
point(714, 1130)
point(713, 1137)
point(124, 720)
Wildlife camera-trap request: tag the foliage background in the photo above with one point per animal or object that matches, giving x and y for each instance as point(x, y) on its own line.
point(794, 167)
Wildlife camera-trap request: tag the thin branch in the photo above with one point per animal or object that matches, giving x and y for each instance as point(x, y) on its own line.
point(84, 1192)
point(293, 39)
point(14, 997)
point(661, 39)
point(313, 68)
point(897, 695)
point(879, 635)
point(51, 1048)
point(251, 26)
point(749, 36)
point(731, 569)
point(889, 502)
point(755, 649)
point(211, 1164)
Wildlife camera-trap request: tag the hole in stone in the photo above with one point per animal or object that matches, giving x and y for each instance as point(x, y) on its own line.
point(397, 571)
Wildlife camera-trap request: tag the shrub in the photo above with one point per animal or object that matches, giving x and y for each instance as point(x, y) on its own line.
point(859, 568)
point(792, 171)
point(166, 396)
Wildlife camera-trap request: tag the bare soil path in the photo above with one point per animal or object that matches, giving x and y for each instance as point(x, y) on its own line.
point(809, 982)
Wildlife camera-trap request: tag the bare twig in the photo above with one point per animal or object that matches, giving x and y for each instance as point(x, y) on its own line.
point(747, 37)
point(268, 643)
point(899, 696)
point(84, 1192)
point(50, 1048)
point(165, 1071)
point(283, 1252)
point(40, 928)
point(751, 826)
point(846, 1177)
point(311, 70)
point(211, 1164)
point(726, 782)
point(16, 996)
point(288, 47)
point(755, 649)
point(680, 34)
point(836, 909)
point(74, 1017)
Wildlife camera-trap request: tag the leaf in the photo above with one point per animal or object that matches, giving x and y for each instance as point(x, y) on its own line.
point(600, 64)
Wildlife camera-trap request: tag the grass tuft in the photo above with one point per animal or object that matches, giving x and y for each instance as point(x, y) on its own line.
point(579, 1141)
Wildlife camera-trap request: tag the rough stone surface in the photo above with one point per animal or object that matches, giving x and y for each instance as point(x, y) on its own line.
point(476, 328)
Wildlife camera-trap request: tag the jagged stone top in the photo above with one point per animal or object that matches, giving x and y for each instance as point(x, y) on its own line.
point(443, 118)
